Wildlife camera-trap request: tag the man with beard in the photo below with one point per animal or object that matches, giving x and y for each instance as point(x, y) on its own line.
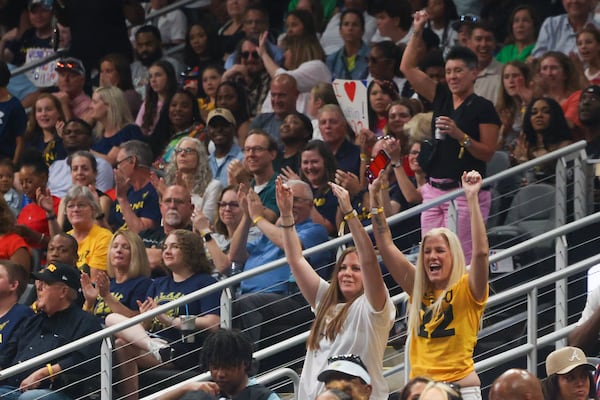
point(284, 93)
point(228, 356)
point(221, 127)
point(77, 135)
point(589, 115)
point(176, 209)
point(148, 49)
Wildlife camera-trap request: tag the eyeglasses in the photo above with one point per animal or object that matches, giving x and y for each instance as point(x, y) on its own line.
point(122, 161)
point(176, 202)
point(376, 60)
point(247, 54)
point(414, 152)
point(230, 204)
point(79, 206)
point(255, 149)
point(347, 357)
point(186, 150)
point(298, 199)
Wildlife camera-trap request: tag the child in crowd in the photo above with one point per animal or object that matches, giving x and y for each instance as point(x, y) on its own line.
point(13, 198)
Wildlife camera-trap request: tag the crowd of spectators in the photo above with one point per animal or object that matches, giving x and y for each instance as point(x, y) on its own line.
point(152, 172)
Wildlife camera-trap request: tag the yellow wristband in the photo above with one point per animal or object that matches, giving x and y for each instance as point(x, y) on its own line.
point(255, 220)
point(376, 210)
point(350, 215)
point(363, 157)
point(50, 371)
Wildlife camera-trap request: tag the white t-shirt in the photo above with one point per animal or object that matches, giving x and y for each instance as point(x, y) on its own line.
point(365, 333)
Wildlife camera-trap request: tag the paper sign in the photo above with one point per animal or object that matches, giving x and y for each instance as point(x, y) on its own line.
point(502, 266)
point(352, 97)
point(42, 76)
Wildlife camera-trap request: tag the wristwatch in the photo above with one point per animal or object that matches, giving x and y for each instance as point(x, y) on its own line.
point(207, 237)
point(467, 141)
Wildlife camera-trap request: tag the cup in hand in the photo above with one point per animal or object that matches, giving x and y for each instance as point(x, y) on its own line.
point(188, 327)
point(438, 131)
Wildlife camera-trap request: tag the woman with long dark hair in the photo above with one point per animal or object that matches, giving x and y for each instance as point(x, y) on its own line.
point(162, 84)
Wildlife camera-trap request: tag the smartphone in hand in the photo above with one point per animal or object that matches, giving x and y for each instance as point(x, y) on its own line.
point(379, 163)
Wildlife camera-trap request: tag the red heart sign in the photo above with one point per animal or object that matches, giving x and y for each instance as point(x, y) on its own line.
point(350, 88)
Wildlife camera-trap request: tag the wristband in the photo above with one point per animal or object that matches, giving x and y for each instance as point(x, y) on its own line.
point(376, 210)
point(50, 217)
point(397, 164)
point(255, 220)
point(288, 226)
point(50, 372)
point(363, 157)
point(352, 214)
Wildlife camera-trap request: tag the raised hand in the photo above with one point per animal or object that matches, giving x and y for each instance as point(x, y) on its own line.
point(103, 284)
point(44, 199)
point(343, 197)
point(289, 174)
point(284, 197)
point(471, 182)
point(90, 292)
point(255, 205)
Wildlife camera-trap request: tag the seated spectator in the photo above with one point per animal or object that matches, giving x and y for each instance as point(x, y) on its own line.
point(588, 114)
point(59, 321)
point(125, 282)
point(350, 61)
point(84, 170)
point(32, 224)
point(176, 211)
point(518, 384)
point(441, 15)
point(260, 150)
point(568, 372)
point(298, 22)
point(545, 129)
point(221, 125)
point(172, 25)
point(249, 69)
point(202, 48)
point(41, 133)
point(179, 118)
point(115, 71)
point(39, 35)
point(523, 28)
point(62, 249)
point(441, 391)
point(14, 119)
point(303, 60)
point(71, 80)
point(82, 210)
point(393, 21)
point(558, 33)
point(283, 96)
point(335, 129)
point(210, 78)
point(294, 133)
point(78, 136)
point(265, 297)
point(136, 204)
point(232, 96)
point(384, 64)
point(380, 95)
point(12, 197)
point(14, 314)
point(114, 123)
point(148, 50)
point(482, 42)
point(588, 46)
point(190, 168)
point(228, 357)
point(231, 32)
point(349, 374)
point(12, 246)
point(161, 87)
point(414, 387)
point(321, 94)
point(331, 40)
point(189, 270)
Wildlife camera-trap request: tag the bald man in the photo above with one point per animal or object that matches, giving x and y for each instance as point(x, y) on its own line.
point(516, 384)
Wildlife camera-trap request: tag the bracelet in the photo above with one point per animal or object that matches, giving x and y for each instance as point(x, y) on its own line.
point(255, 220)
point(207, 237)
point(397, 164)
point(288, 226)
point(50, 217)
point(352, 214)
point(364, 157)
point(50, 372)
point(376, 210)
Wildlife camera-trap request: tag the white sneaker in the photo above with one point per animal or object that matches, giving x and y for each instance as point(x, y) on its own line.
point(160, 349)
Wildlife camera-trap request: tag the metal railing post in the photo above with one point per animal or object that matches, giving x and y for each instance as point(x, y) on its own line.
point(561, 260)
point(106, 379)
point(532, 323)
point(226, 308)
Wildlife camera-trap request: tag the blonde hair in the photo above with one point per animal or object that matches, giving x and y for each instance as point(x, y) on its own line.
point(139, 265)
point(418, 128)
point(422, 284)
point(118, 115)
point(332, 297)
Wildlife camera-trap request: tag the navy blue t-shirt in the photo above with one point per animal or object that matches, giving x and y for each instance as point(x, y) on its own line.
point(144, 203)
point(13, 122)
point(128, 132)
point(11, 320)
point(127, 293)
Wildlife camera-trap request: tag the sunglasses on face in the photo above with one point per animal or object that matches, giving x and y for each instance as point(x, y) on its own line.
point(247, 54)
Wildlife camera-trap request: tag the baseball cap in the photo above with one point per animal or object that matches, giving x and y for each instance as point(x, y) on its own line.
point(70, 64)
point(465, 19)
point(221, 113)
point(58, 272)
point(563, 361)
point(348, 364)
point(46, 4)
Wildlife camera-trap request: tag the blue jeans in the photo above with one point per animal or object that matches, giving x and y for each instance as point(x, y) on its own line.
point(13, 393)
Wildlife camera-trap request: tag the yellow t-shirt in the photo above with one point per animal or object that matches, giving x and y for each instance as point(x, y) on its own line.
point(93, 250)
point(443, 348)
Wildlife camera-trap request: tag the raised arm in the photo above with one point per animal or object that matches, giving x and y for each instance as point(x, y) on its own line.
point(409, 66)
point(306, 277)
point(401, 269)
point(237, 250)
point(478, 273)
point(373, 284)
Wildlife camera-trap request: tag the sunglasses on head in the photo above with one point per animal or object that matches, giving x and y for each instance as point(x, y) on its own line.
point(247, 54)
point(347, 357)
point(66, 65)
